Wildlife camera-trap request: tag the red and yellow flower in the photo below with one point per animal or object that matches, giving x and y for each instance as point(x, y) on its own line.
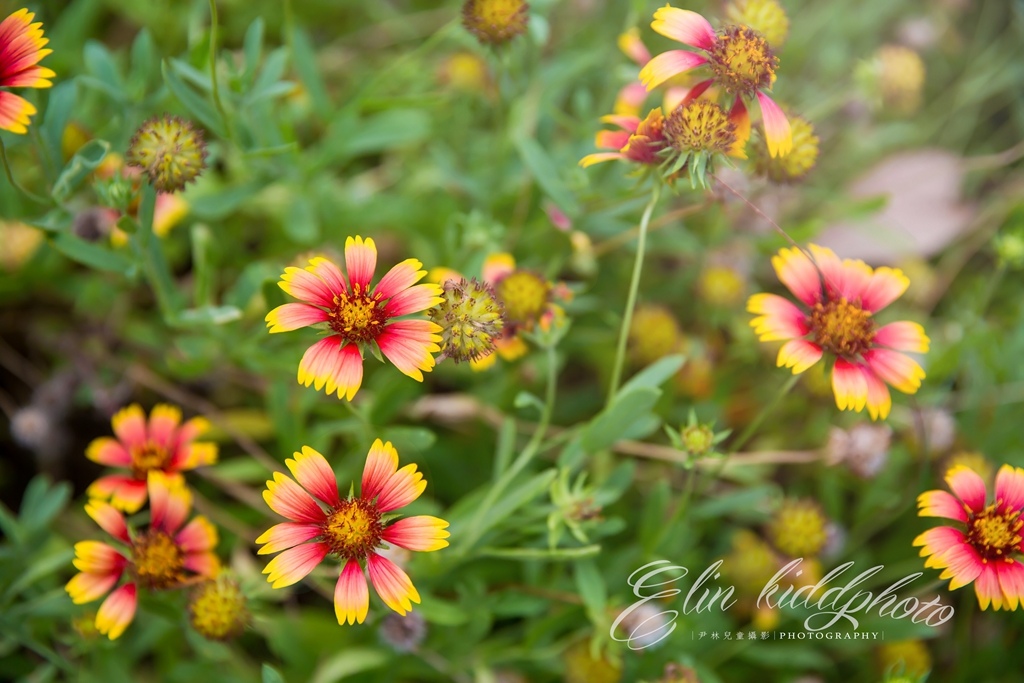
point(163, 444)
point(986, 549)
point(165, 556)
point(840, 298)
point(360, 317)
point(741, 61)
point(353, 529)
point(638, 140)
point(21, 49)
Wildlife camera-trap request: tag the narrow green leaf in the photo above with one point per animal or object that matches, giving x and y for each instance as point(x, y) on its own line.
point(531, 554)
point(270, 675)
point(93, 255)
point(655, 374)
point(197, 106)
point(79, 167)
point(612, 424)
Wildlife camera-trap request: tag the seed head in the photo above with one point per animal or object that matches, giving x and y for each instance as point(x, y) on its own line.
point(495, 22)
point(791, 167)
point(217, 609)
point(471, 319)
point(700, 126)
point(170, 150)
point(799, 528)
point(764, 16)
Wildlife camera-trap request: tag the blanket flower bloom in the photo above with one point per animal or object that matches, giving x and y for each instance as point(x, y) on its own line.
point(162, 444)
point(21, 49)
point(352, 529)
point(359, 317)
point(987, 548)
point(155, 559)
point(841, 298)
point(741, 61)
point(638, 140)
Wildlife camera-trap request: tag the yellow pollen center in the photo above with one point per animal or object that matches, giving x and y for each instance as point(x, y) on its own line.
point(842, 327)
point(158, 561)
point(353, 529)
point(357, 316)
point(700, 126)
point(995, 534)
point(525, 296)
point(742, 61)
point(146, 457)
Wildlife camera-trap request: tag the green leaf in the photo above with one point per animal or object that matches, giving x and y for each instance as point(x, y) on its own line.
point(655, 374)
point(304, 56)
point(145, 61)
point(252, 48)
point(207, 315)
point(58, 113)
point(99, 63)
point(270, 675)
point(591, 587)
point(301, 224)
point(93, 255)
point(196, 106)
point(387, 130)
point(505, 447)
point(441, 612)
point(43, 502)
point(547, 173)
point(515, 498)
point(533, 554)
point(611, 424)
point(409, 439)
point(79, 167)
point(352, 660)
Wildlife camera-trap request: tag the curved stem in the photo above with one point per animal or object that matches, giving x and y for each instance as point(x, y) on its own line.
point(14, 183)
point(634, 287)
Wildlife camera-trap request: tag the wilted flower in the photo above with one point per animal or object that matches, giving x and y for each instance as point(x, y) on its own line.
point(403, 634)
point(471, 320)
point(21, 49)
point(740, 59)
point(799, 528)
point(170, 151)
point(841, 298)
point(864, 448)
point(986, 550)
point(359, 317)
point(794, 165)
point(352, 529)
point(495, 22)
point(164, 557)
point(638, 141)
point(217, 609)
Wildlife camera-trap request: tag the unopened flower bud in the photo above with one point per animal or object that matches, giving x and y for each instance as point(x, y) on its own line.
point(170, 151)
point(495, 22)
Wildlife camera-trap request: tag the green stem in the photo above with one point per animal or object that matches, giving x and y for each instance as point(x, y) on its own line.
point(634, 287)
point(477, 528)
point(213, 71)
point(14, 183)
point(679, 514)
point(152, 252)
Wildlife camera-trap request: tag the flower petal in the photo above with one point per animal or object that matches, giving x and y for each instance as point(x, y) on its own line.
point(1011, 581)
point(423, 533)
point(169, 501)
point(968, 486)
point(295, 564)
point(689, 28)
point(109, 452)
point(163, 421)
point(288, 317)
point(381, 464)
point(205, 564)
point(95, 557)
point(330, 366)
point(130, 426)
point(669, 64)
point(327, 271)
point(941, 504)
point(937, 541)
point(849, 386)
point(900, 371)
point(1010, 487)
point(797, 271)
point(987, 588)
point(777, 132)
point(780, 319)
point(884, 286)
point(497, 266)
point(290, 500)
point(109, 519)
point(351, 595)
point(198, 536)
point(401, 488)
point(360, 262)
point(15, 113)
point(409, 345)
point(879, 400)
point(392, 584)
point(799, 354)
point(125, 493)
point(962, 565)
point(612, 139)
point(305, 286)
point(741, 117)
point(117, 611)
point(414, 300)
point(902, 336)
point(286, 535)
point(400, 278)
point(314, 473)
point(86, 587)
point(600, 158)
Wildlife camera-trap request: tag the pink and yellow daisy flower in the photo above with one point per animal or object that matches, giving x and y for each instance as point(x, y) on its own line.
point(742, 64)
point(638, 141)
point(163, 444)
point(840, 298)
point(987, 549)
point(21, 49)
point(360, 317)
point(352, 529)
point(165, 556)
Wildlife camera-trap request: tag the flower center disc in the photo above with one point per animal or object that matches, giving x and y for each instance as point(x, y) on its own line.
point(742, 61)
point(525, 295)
point(148, 457)
point(353, 529)
point(995, 534)
point(843, 328)
point(157, 560)
point(356, 316)
point(700, 126)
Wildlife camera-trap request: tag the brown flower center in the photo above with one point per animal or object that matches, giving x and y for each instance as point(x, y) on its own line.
point(994, 533)
point(700, 126)
point(353, 529)
point(357, 316)
point(157, 560)
point(148, 456)
point(742, 61)
point(842, 327)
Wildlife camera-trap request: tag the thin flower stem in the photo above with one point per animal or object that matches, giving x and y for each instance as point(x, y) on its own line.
point(14, 183)
point(679, 514)
point(759, 212)
point(634, 287)
point(213, 71)
point(477, 528)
